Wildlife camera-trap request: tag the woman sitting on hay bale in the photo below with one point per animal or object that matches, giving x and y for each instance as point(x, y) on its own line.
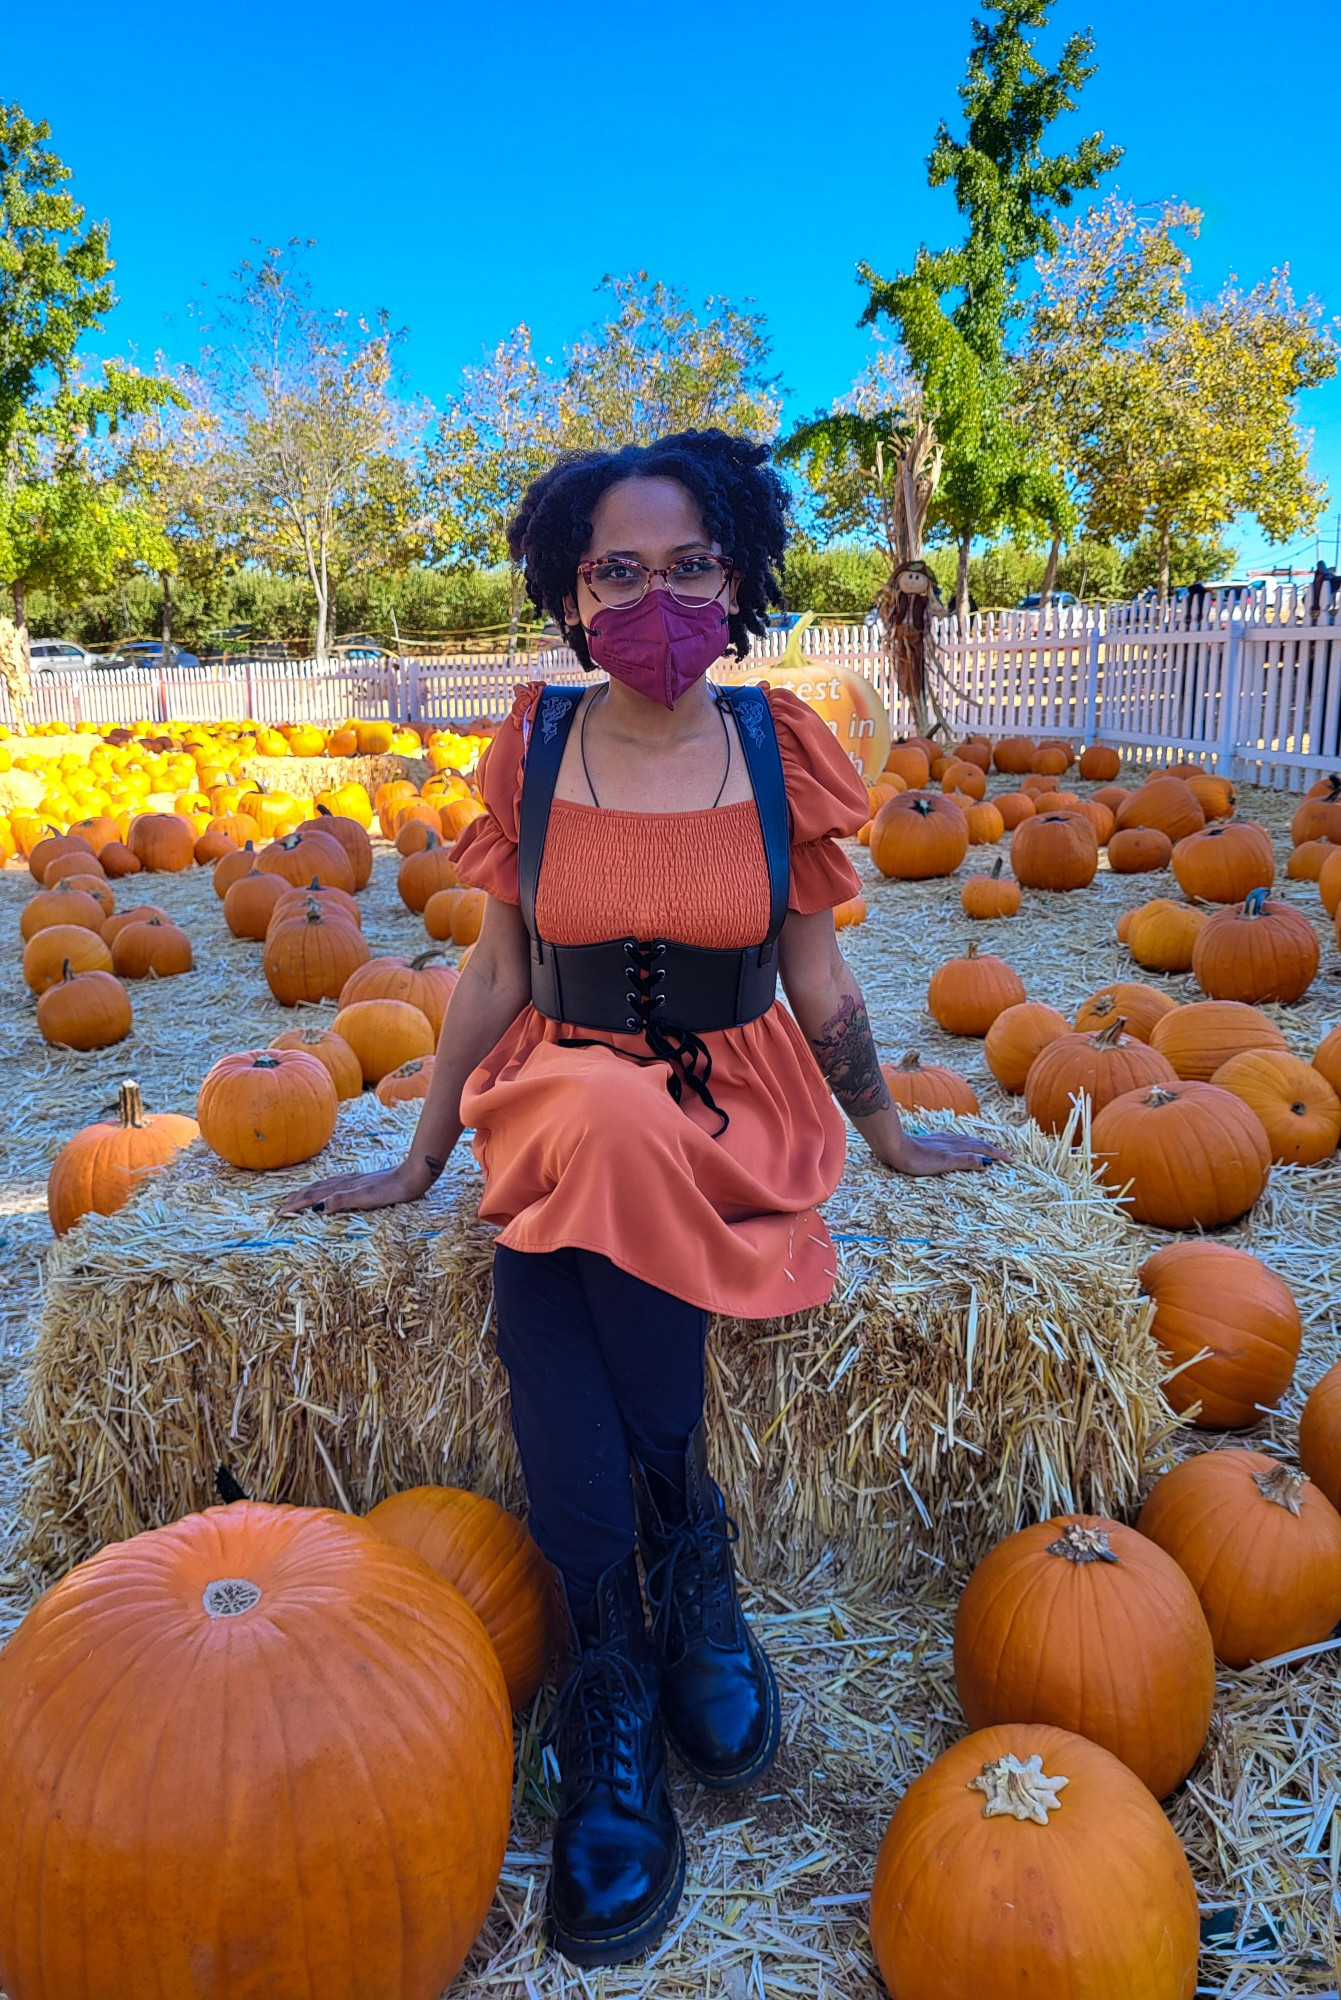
point(655, 1130)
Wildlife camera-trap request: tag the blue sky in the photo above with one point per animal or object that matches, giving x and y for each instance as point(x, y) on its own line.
point(471, 167)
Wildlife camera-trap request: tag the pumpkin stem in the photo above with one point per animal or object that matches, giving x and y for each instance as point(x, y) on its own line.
point(418, 964)
point(1109, 1037)
point(997, 867)
point(65, 971)
point(1160, 1094)
point(1083, 1545)
point(227, 1487)
point(1254, 903)
point(972, 951)
point(1104, 1004)
point(130, 1105)
point(911, 1061)
point(1018, 1791)
point(266, 1061)
point(1282, 1486)
point(230, 1596)
point(313, 914)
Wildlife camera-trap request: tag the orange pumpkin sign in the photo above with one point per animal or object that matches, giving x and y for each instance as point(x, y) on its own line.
point(845, 700)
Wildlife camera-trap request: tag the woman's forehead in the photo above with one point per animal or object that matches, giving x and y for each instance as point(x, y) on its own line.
point(646, 517)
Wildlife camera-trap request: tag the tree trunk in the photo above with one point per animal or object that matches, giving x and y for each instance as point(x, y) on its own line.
point(20, 604)
point(1165, 543)
point(961, 581)
point(515, 591)
point(165, 579)
point(1050, 574)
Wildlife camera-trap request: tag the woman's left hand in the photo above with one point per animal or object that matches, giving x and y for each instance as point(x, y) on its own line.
point(943, 1153)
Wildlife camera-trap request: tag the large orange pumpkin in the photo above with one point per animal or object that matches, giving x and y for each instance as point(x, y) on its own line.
point(151, 950)
point(919, 1086)
point(348, 833)
point(1259, 1544)
point(1258, 951)
point(421, 981)
point(61, 905)
point(1225, 863)
point(267, 1108)
point(1162, 935)
point(1164, 803)
point(1299, 1110)
point(383, 1034)
point(1327, 1059)
point(965, 995)
point(1319, 816)
point(334, 1054)
point(1085, 1624)
point(1097, 1065)
point(917, 836)
point(309, 956)
point(988, 896)
point(1055, 850)
point(84, 1010)
point(1215, 1297)
point(163, 842)
point(48, 952)
point(251, 902)
point(1100, 763)
point(1016, 1038)
point(1139, 1005)
point(1200, 1038)
point(331, 902)
point(260, 1754)
point(1194, 1156)
point(97, 1171)
point(1320, 1435)
point(985, 1884)
point(1139, 850)
point(299, 857)
point(489, 1556)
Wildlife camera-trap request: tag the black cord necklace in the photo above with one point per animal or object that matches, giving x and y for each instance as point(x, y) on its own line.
point(582, 746)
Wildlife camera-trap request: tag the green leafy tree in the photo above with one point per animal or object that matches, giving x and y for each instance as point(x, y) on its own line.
point(652, 366)
point(840, 581)
point(59, 530)
point(1179, 417)
point(953, 312)
point(172, 462)
point(319, 447)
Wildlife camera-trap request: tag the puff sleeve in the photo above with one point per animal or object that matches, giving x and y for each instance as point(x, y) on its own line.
point(826, 796)
point(486, 854)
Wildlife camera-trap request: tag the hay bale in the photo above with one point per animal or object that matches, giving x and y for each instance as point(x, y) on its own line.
point(306, 776)
point(984, 1361)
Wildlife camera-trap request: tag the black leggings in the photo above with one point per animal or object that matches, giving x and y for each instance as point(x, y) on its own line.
point(601, 1367)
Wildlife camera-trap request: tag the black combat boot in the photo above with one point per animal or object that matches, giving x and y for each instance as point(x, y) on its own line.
point(618, 1868)
point(719, 1700)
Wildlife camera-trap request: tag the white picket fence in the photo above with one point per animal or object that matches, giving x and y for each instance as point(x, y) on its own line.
point(1255, 691)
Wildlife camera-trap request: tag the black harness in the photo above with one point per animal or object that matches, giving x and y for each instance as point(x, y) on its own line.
point(673, 993)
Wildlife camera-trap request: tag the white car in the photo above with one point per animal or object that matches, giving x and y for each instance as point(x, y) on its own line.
point(46, 654)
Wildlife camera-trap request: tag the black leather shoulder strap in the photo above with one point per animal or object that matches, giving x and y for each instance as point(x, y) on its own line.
point(759, 740)
point(550, 723)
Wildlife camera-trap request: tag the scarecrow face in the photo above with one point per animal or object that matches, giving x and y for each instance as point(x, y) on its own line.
point(914, 579)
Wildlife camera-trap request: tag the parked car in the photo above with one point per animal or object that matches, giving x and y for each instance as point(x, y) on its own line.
point(360, 647)
point(1034, 601)
point(46, 654)
point(149, 653)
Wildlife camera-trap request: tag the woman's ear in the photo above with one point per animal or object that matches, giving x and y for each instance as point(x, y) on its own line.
point(571, 615)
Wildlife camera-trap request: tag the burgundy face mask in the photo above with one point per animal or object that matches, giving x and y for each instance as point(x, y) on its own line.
point(658, 647)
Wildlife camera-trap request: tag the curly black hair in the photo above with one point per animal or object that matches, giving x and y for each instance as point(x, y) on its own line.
point(743, 501)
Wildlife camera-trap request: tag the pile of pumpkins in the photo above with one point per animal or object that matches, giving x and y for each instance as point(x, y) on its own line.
point(297, 896)
point(200, 769)
point(1191, 1103)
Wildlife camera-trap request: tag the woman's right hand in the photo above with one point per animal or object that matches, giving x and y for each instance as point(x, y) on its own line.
point(408, 1182)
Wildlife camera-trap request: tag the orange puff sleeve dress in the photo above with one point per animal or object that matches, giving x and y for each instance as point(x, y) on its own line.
point(584, 1146)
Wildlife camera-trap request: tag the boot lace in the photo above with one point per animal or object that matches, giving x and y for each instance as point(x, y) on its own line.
point(689, 1589)
point(597, 1715)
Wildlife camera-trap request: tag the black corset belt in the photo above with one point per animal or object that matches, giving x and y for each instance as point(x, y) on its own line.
point(672, 993)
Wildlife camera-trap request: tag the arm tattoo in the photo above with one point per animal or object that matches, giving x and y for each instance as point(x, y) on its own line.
point(435, 1167)
point(845, 1051)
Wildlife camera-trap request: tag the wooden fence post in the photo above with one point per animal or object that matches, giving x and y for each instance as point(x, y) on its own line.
point(1226, 751)
point(1090, 721)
